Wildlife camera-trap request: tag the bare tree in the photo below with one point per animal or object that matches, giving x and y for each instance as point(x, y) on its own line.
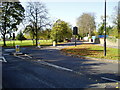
point(119, 16)
point(86, 24)
point(37, 17)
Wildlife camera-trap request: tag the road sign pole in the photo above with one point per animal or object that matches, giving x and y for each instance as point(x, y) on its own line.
point(75, 32)
point(75, 40)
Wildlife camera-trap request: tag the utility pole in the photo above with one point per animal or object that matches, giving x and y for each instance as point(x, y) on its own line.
point(105, 31)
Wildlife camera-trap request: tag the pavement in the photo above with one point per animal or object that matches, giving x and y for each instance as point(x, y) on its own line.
point(48, 67)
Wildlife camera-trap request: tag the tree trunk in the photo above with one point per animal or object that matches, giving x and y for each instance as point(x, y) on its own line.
point(33, 41)
point(36, 28)
point(36, 41)
point(4, 40)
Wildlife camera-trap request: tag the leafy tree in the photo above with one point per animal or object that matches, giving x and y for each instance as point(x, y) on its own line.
point(12, 15)
point(37, 16)
point(101, 27)
point(20, 37)
point(101, 30)
point(45, 34)
point(60, 31)
point(31, 31)
point(115, 32)
point(116, 21)
point(86, 24)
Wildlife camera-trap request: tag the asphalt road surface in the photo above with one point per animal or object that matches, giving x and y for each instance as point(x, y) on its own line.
point(48, 68)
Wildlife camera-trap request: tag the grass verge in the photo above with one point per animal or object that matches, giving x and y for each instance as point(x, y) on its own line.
point(27, 43)
point(92, 50)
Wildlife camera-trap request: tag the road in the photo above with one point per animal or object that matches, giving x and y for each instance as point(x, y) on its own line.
point(48, 68)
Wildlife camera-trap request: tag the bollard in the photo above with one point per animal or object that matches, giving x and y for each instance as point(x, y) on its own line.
point(39, 45)
point(54, 43)
point(17, 48)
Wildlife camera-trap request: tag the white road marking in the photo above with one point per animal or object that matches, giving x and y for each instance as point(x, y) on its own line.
point(59, 67)
point(110, 79)
point(5, 54)
point(9, 50)
point(19, 57)
point(63, 68)
point(23, 57)
point(28, 56)
point(3, 59)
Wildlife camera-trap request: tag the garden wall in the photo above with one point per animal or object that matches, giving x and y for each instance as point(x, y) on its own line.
point(109, 42)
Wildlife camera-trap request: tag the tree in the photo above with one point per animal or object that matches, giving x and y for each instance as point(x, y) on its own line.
point(61, 30)
point(31, 31)
point(20, 37)
point(101, 29)
point(37, 16)
point(12, 15)
point(116, 16)
point(116, 21)
point(44, 34)
point(86, 24)
point(119, 16)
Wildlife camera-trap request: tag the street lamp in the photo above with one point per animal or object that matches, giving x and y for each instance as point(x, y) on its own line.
point(105, 31)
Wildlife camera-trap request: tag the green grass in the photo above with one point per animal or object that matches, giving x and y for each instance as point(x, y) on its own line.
point(26, 42)
point(91, 50)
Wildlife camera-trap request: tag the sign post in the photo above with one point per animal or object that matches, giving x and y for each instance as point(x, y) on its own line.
point(17, 47)
point(75, 32)
point(39, 45)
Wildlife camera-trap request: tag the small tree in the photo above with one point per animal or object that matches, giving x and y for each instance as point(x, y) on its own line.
point(20, 37)
point(60, 31)
point(31, 31)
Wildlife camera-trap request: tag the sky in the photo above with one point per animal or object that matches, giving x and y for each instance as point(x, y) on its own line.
point(70, 10)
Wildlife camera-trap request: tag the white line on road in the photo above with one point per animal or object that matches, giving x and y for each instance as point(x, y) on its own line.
point(59, 67)
point(63, 68)
point(28, 56)
point(19, 57)
point(110, 79)
point(3, 59)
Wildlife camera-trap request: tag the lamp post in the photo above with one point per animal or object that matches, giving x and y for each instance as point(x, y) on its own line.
point(105, 31)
